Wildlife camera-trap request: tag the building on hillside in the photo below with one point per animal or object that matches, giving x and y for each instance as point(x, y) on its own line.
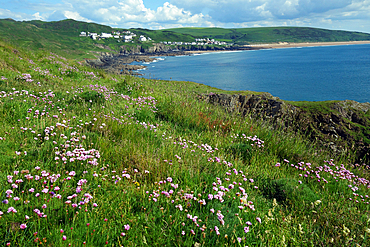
point(83, 34)
point(142, 38)
point(106, 35)
point(128, 38)
point(93, 35)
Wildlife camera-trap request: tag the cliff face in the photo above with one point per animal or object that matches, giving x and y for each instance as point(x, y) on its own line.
point(159, 48)
point(342, 126)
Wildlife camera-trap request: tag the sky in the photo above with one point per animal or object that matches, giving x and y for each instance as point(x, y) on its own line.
point(351, 15)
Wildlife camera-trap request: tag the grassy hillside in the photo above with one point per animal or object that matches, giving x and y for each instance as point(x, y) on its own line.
point(63, 36)
point(274, 34)
point(92, 159)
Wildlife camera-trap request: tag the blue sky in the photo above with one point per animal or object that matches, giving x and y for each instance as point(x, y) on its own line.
point(353, 15)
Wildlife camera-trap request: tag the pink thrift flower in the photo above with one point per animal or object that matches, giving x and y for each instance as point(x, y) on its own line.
point(127, 227)
point(23, 226)
point(258, 219)
point(12, 210)
point(64, 237)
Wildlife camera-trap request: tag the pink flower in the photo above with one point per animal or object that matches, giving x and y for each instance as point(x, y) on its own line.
point(12, 210)
point(127, 227)
point(23, 226)
point(258, 219)
point(64, 237)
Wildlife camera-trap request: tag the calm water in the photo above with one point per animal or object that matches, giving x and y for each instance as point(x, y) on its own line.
point(309, 73)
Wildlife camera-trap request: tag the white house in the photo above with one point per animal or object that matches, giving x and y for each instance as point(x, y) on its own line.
point(83, 34)
point(128, 38)
point(106, 35)
point(142, 38)
point(93, 35)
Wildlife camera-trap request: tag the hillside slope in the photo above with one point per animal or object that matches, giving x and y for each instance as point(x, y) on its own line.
point(89, 158)
point(274, 34)
point(63, 36)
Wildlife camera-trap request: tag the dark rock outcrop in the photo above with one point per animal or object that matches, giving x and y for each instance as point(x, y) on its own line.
point(119, 62)
point(343, 127)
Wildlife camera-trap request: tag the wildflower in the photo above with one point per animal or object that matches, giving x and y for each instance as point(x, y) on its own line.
point(123, 234)
point(12, 210)
point(346, 231)
point(259, 219)
point(127, 227)
point(64, 237)
point(246, 229)
point(217, 230)
point(23, 226)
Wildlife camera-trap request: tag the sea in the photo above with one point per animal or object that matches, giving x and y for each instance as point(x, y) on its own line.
point(295, 74)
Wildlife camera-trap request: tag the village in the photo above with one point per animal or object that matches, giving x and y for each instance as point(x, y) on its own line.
point(128, 36)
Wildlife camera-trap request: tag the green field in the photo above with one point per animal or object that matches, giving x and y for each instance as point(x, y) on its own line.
point(89, 158)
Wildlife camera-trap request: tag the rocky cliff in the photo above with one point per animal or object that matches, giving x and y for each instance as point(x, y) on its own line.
point(161, 49)
point(341, 126)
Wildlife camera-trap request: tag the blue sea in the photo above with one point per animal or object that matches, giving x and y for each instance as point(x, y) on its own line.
point(295, 74)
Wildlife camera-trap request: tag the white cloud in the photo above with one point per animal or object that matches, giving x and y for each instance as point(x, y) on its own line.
point(351, 14)
point(5, 13)
point(75, 16)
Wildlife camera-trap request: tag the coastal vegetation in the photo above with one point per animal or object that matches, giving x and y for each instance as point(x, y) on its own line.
point(63, 36)
point(89, 158)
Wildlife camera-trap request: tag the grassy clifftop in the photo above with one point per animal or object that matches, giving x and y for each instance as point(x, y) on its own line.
point(92, 159)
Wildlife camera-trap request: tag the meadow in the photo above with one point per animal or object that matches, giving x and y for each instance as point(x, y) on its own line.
point(94, 159)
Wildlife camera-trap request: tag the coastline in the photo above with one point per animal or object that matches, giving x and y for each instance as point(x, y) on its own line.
point(121, 63)
point(289, 45)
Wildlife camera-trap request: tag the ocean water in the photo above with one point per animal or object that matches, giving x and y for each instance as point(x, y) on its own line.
point(296, 74)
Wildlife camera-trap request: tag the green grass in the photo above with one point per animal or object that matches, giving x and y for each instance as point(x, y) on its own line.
point(63, 36)
point(274, 34)
point(121, 160)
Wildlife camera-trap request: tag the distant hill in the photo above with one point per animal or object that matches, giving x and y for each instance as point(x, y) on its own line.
point(274, 34)
point(63, 36)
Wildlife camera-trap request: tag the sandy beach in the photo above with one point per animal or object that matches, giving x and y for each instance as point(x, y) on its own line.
point(290, 45)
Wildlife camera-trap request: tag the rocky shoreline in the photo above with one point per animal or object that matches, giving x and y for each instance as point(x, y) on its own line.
point(120, 62)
